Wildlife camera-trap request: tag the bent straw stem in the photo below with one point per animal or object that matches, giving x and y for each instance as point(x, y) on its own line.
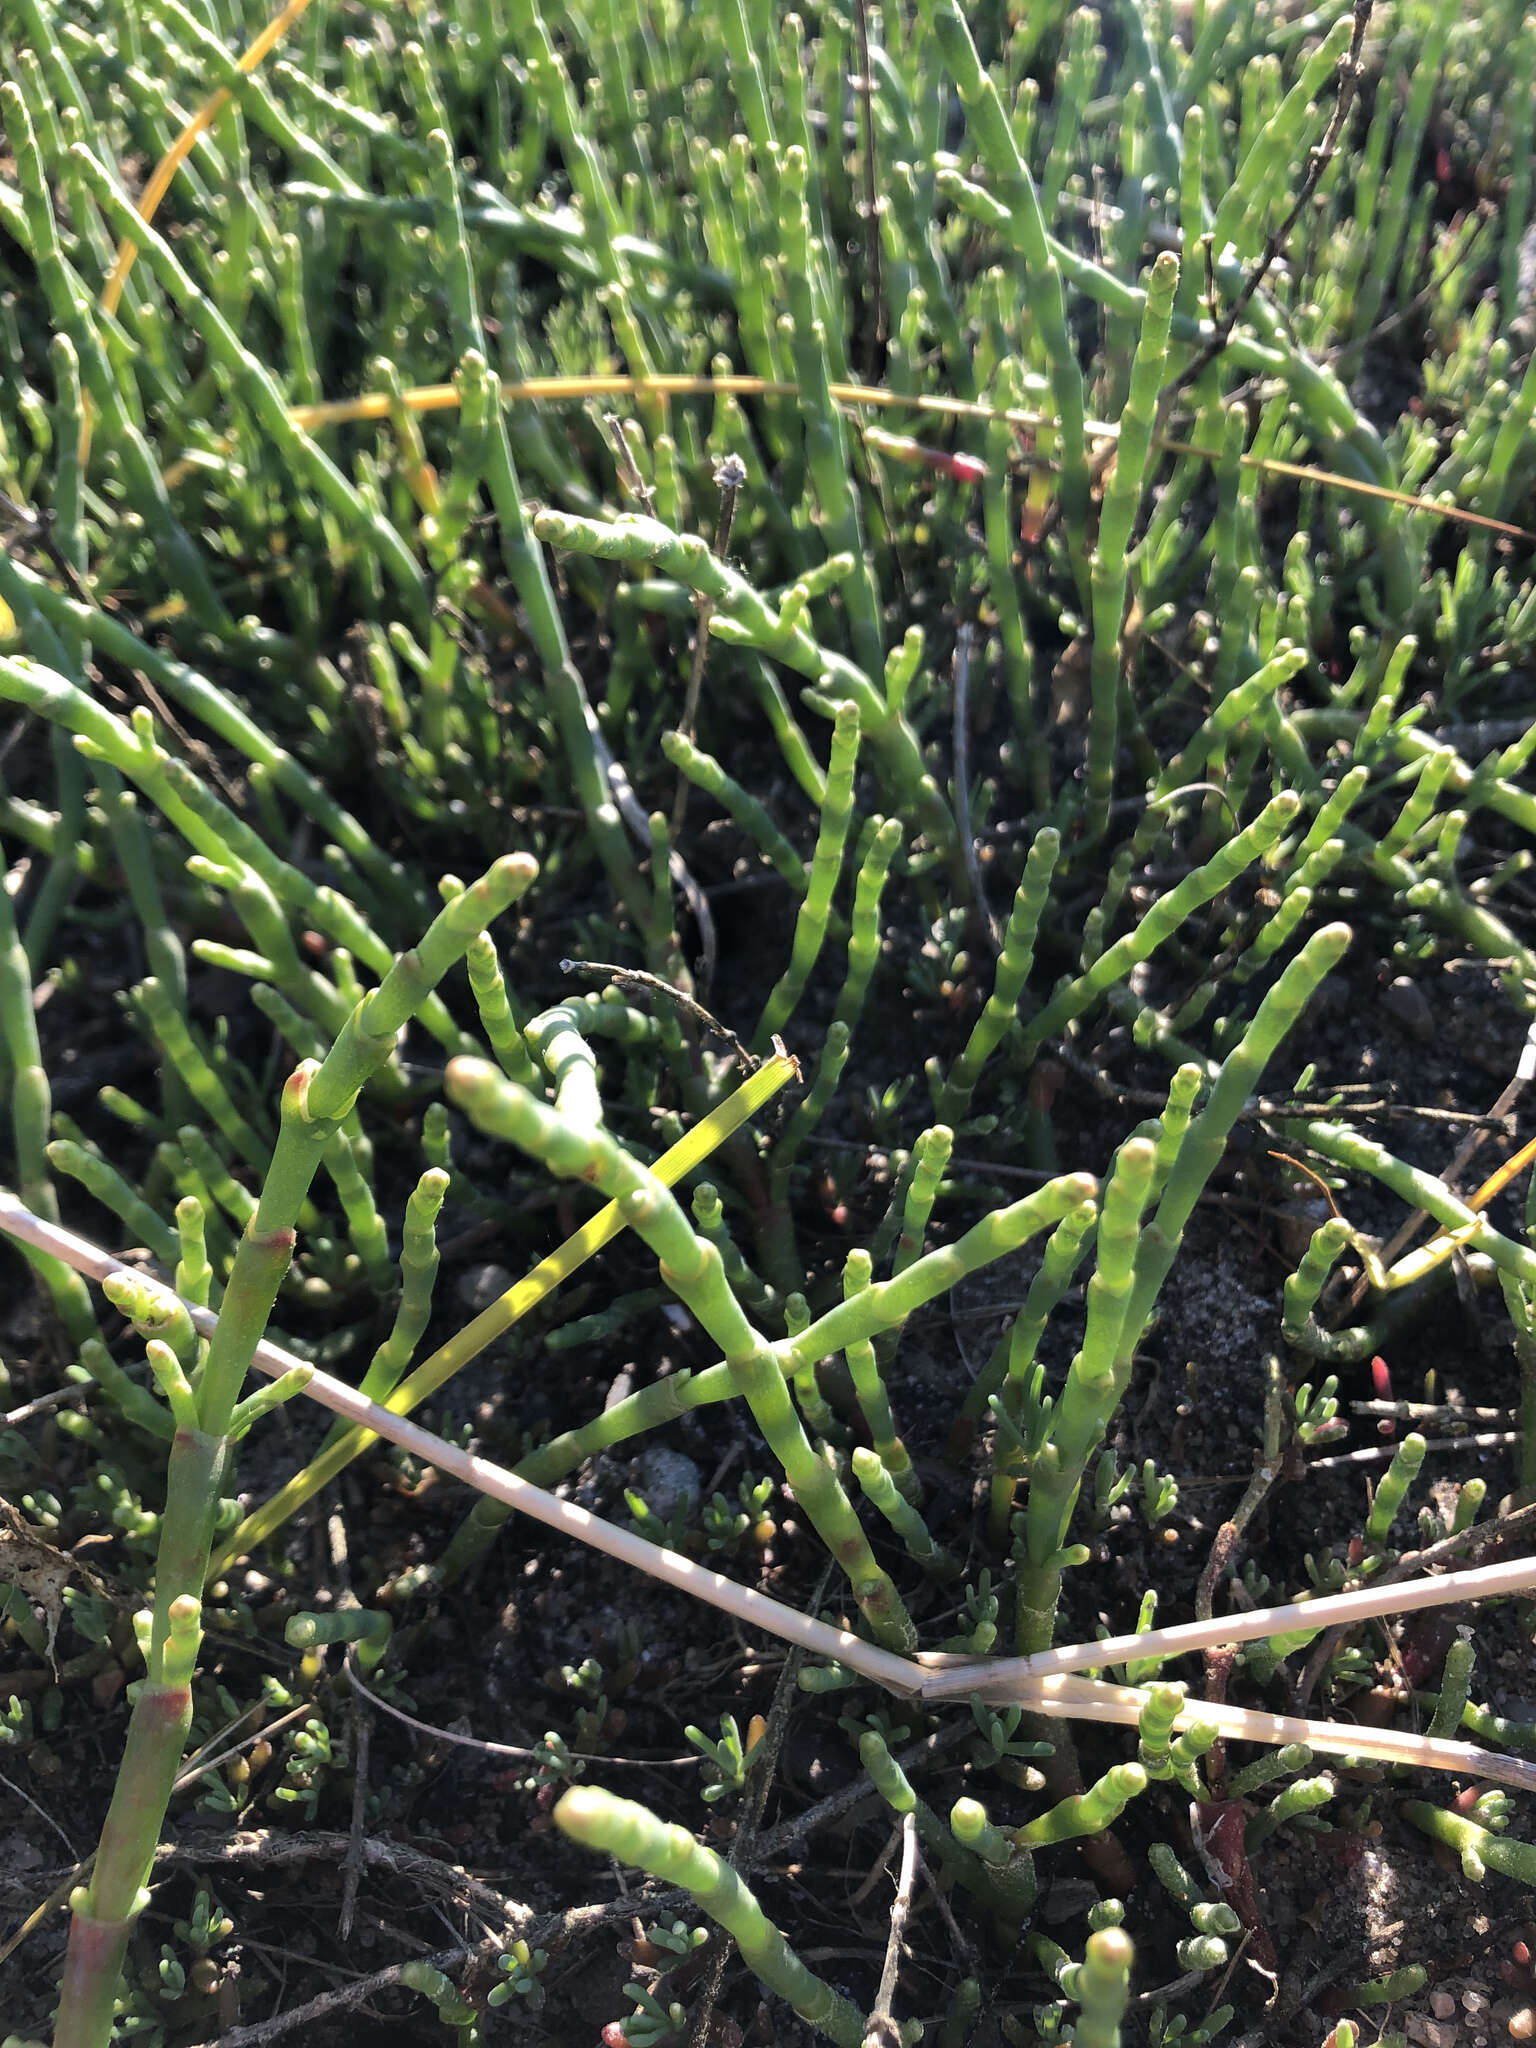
point(1052, 1692)
point(1088, 1699)
point(668, 384)
point(1482, 1582)
point(165, 171)
point(450, 1357)
point(883, 1666)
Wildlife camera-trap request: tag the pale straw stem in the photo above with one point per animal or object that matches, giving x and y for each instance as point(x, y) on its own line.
point(1042, 1683)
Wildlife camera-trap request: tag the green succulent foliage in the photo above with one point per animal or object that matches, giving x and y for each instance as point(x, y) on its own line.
point(284, 673)
point(311, 1756)
point(208, 1926)
point(520, 1968)
point(729, 1758)
point(553, 1764)
point(651, 2021)
point(16, 1723)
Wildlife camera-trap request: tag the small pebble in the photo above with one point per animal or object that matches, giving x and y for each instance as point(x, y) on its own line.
point(1522, 2024)
point(1295, 1223)
point(665, 1479)
point(479, 1286)
point(1405, 1001)
point(1442, 2005)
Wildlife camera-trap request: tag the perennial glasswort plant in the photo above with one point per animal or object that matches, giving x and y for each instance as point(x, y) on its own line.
point(1089, 739)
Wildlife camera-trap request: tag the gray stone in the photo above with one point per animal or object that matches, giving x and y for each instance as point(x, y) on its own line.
point(665, 1479)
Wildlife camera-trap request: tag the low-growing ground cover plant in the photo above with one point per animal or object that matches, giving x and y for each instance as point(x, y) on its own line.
point(961, 579)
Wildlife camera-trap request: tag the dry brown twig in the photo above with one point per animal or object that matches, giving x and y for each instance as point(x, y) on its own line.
point(1481, 1536)
point(434, 1733)
point(197, 1765)
point(1318, 161)
point(427, 1876)
point(882, 2030)
point(347, 1998)
point(1047, 1684)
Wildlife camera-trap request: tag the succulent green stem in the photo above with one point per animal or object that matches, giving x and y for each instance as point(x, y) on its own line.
point(1086, 1813)
point(31, 1108)
point(1455, 1687)
point(1304, 1286)
point(826, 866)
point(1101, 1984)
point(1305, 1795)
point(883, 1494)
point(1013, 965)
point(692, 1267)
point(1005, 1884)
point(367, 1628)
point(618, 1827)
point(1163, 920)
point(1393, 1490)
point(1109, 570)
point(315, 1100)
